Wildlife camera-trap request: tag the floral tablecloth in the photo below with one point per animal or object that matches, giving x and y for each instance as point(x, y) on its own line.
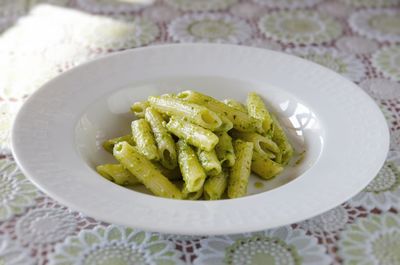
point(359, 39)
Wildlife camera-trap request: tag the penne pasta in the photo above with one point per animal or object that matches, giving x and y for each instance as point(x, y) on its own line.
point(194, 113)
point(192, 172)
point(138, 108)
point(215, 186)
point(235, 104)
point(165, 143)
point(261, 143)
point(193, 134)
point(209, 161)
point(195, 195)
point(240, 172)
point(117, 174)
point(139, 166)
point(264, 167)
point(109, 144)
point(226, 125)
point(241, 121)
point(280, 138)
point(206, 147)
point(224, 150)
point(256, 109)
point(144, 139)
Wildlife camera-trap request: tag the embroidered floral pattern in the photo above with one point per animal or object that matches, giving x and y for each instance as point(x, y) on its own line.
point(107, 6)
point(288, 3)
point(344, 64)
point(247, 10)
point(356, 45)
point(201, 5)
point(160, 13)
point(300, 27)
point(115, 245)
point(112, 34)
point(279, 246)
point(371, 240)
point(383, 192)
point(12, 253)
point(381, 88)
point(335, 8)
point(16, 192)
point(379, 24)
point(387, 61)
point(370, 3)
point(209, 28)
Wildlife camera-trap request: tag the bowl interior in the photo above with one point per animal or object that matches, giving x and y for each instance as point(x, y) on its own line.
point(110, 117)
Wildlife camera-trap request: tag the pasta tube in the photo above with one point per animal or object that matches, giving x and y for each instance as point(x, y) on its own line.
point(280, 138)
point(117, 174)
point(235, 104)
point(192, 134)
point(241, 120)
point(240, 172)
point(171, 174)
point(261, 143)
point(138, 165)
point(109, 144)
point(138, 108)
point(215, 186)
point(209, 161)
point(144, 139)
point(192, 172)
point(224, 150)
point(187, 195)
point(256, 109)
point(226, 124)
point(165, 143)
point(192, 112)
point(265, 167)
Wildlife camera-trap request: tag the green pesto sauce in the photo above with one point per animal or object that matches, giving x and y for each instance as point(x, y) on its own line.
point(259, 185)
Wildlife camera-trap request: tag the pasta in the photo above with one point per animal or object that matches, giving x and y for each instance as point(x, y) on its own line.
point(224, 150)
point(240, 171)
point(261, 143)
point(257, 110)
point(280, 138)
point(139, 166)
point(118, 174)
point(193, 134)
point(165, 143)
point(191, 146)
point(209, 162)
point(138, 108)
point(195, 195)
point(235, 104)
point(215, 186)
point(226, 125)
point(109, 144)
point(264, 167)
point(241, 121)
point(144, 139)
point(192, 112)
point(192, 172)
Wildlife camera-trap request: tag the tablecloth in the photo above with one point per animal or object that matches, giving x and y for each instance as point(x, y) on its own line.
point(359, 39)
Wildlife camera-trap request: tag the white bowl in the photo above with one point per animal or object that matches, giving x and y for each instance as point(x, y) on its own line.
point(57, 135)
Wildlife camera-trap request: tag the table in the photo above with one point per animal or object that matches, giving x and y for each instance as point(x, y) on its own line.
point(359, 39)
